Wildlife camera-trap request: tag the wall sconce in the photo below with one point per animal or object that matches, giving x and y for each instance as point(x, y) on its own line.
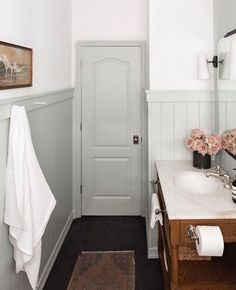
point(215, 61)
point(203, 68)
point(228, 70)
point(232, 60)
point(224, 71)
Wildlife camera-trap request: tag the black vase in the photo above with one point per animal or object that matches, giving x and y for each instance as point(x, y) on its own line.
point(201, 161)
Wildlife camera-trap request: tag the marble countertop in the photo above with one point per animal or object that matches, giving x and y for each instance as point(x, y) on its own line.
point(183, 205)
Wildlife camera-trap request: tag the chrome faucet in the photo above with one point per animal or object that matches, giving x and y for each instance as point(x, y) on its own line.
point(222, 175)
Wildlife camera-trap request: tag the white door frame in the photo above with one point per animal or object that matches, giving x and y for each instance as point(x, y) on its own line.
point(77, 113)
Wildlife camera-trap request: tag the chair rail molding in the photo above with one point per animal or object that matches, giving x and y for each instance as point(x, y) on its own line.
point(179, 96)
point(34, 102)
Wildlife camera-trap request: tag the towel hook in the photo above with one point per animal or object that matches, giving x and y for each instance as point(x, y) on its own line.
point(158, 211)
point(153, 182)
point(40, 103)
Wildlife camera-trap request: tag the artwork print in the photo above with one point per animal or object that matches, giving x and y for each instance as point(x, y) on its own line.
point(15, 66)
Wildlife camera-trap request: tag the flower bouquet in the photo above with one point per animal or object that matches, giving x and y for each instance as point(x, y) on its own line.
point(229, 141)
point(203, 147)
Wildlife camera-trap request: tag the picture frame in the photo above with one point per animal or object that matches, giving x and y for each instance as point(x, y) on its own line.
point(15, 66)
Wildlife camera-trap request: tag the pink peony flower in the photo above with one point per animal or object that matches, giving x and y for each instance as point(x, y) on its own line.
point(218, 137)
point(204, 149)
point(233, 132)
point(197, 145)
point(229, 141)
point(211, 151)
point(189, 143)
point(232, 148)
point(227, 137)
point(197, 133)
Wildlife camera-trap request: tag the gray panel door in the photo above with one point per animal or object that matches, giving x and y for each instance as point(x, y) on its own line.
point(111, 116)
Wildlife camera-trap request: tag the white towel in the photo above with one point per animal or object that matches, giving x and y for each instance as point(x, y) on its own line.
point(29, 200)
point(155, 206)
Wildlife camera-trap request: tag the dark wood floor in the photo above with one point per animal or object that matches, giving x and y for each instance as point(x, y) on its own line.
point(104, 234)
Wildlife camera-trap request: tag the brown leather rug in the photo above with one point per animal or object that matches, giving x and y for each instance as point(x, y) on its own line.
point(104, 271)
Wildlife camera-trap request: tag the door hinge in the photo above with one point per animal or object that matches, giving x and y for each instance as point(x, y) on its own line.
point(80, 126)
point(81, 64)
point(80, 188)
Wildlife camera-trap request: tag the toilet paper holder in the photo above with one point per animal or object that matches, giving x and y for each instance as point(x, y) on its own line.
point(192, 233)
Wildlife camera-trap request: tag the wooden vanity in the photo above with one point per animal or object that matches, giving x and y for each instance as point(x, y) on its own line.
point(182, 268)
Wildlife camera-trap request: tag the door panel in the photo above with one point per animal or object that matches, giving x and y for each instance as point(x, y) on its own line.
point(106, 182)
point(111, 103)
point(111, 115)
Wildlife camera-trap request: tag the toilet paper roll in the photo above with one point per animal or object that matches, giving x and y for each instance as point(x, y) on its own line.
point(211, 241)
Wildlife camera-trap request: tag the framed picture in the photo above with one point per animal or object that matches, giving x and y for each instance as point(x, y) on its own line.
point(15, 66)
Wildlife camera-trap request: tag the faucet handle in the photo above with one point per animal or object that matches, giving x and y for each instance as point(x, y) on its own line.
point(218, 169)
point(227, 180)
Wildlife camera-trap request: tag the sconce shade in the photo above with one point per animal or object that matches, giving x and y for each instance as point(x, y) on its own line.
point(232, 67)
point(202, 69)
point(224, 68)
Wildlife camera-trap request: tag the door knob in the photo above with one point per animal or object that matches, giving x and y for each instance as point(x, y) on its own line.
point(135, 139)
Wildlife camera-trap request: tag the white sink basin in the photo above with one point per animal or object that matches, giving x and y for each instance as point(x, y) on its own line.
point(196, 182)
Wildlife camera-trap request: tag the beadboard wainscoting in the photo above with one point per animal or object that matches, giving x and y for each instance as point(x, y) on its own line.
point(227, 110)
point(171, 116)
point(50, 118)
point(227, 120)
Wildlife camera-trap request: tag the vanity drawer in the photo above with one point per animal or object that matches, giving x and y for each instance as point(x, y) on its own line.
point(189, 253)
point(228, 228)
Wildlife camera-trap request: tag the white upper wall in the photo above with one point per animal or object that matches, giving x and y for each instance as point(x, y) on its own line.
point(179, 30)
point(45, 26)
point(16, 21)
point(108, 20)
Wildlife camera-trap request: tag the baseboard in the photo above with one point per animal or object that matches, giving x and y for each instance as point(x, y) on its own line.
point(52, 258)
point(153, 253)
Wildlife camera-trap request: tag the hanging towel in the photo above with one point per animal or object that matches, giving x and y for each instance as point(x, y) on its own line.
point(29, 200)
point(155, 205)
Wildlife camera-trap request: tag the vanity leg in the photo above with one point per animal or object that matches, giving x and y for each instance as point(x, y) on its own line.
point(174, 285)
